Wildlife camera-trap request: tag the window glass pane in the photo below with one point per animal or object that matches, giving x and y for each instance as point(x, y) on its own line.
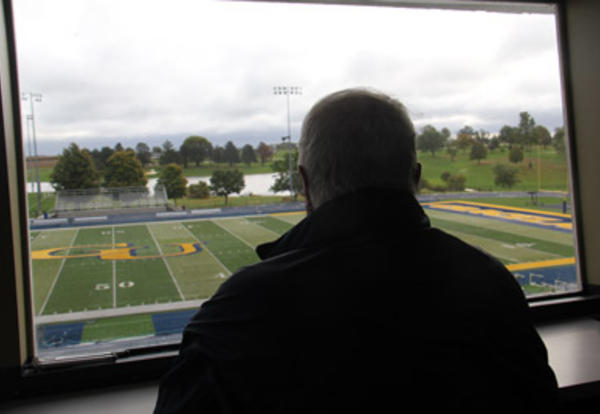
point(117, 91)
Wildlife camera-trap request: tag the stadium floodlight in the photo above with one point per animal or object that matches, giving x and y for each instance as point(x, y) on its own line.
point(287, 91)
point(37, 97)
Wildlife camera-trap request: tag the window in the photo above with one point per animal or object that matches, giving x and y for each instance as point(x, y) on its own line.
point(104, 279)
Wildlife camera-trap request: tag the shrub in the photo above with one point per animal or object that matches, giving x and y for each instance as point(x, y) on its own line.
point(505, 175)
point(456, 182)
point(199, 190)
point(516, 154)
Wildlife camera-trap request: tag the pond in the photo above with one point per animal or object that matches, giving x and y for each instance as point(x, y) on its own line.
point(257, 184)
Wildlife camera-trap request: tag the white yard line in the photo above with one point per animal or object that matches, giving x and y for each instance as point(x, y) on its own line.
point(57, 274)
point(114, 272)
point(235, 235)
point(166, 263)
point(208, 250)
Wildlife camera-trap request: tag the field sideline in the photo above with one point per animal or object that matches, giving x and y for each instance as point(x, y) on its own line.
point(136, 265)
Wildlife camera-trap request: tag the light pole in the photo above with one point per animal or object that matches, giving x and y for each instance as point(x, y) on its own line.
point(287, 91)
point(29, 152)
point(37, 97)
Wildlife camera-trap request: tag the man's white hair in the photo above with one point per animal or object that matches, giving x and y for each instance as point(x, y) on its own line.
point(357, 138)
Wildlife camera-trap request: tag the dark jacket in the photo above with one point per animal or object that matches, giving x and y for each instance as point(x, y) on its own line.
point(363, 306)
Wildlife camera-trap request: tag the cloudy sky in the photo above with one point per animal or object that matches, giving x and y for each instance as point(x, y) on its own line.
point(144, 70)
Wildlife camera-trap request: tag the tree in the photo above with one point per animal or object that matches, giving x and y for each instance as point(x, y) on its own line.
point(101, 157)
point(142, 152)
point(200, 190)
point(464, 138)
point(478, 151)
point(430, 140)
point(248, 154)
point(494, 143)
point(74, 170)
point(515, 155)
point(123, 169)
point(508, 135)
point(169, 155)
point(171, 177)
point(466, 130)
point(156, 151)
point(231, 153)
point(558, 140)
point(505, 175)
point(452, 149)
point(482, 136)
point(196, 149)
point(446, 134)
point(542, 135)
point(265, 152)
point(454, 182)
point(282, 180)
point(526, 127)
point(218, 155)
point(225, 182)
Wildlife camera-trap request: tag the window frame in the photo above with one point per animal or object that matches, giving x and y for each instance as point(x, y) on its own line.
point(17, 358)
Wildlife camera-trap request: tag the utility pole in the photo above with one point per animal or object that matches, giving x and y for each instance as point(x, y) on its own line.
point(287, 91)
point(37, 97)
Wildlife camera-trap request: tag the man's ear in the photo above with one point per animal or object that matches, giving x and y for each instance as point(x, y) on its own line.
point(416, 178)
point(306, 186)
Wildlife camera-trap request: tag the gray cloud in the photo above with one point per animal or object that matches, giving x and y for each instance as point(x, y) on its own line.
point(130, 70)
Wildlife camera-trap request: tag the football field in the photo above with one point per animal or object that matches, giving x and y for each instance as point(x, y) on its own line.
point(84, 269)
point(112, 271)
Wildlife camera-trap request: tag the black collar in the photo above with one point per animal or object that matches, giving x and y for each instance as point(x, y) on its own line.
point(366, 212)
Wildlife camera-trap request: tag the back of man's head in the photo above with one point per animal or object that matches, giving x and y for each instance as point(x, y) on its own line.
point(357, 138)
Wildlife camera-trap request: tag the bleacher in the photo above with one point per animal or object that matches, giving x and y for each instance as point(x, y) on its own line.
point(93, 201)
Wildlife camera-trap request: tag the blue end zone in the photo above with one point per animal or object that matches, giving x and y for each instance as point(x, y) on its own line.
point(172, 322)
point(557, 276)
point(64, 334)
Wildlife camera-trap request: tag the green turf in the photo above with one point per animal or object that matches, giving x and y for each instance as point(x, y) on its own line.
point(274, 224)
point(77, 284)
point(229, 250)
point(77, 287)
point(560, 237)
point(248, 232)
point(536, 289)
point(292, 218)
point(506, 253)
point(45, 272)
point(117, 327)
point(198, 275)
point(505, 237)
point(144, 281)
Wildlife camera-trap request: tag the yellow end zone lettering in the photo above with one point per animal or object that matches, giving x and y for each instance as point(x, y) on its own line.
point(119, 251)
point(543, 218)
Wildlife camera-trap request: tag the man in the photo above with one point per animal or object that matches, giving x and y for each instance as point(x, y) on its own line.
point(362, 306)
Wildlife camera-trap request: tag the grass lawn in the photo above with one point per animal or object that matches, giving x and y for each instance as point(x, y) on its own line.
point(548, 169)
point(43, 171)
point(48, 200)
